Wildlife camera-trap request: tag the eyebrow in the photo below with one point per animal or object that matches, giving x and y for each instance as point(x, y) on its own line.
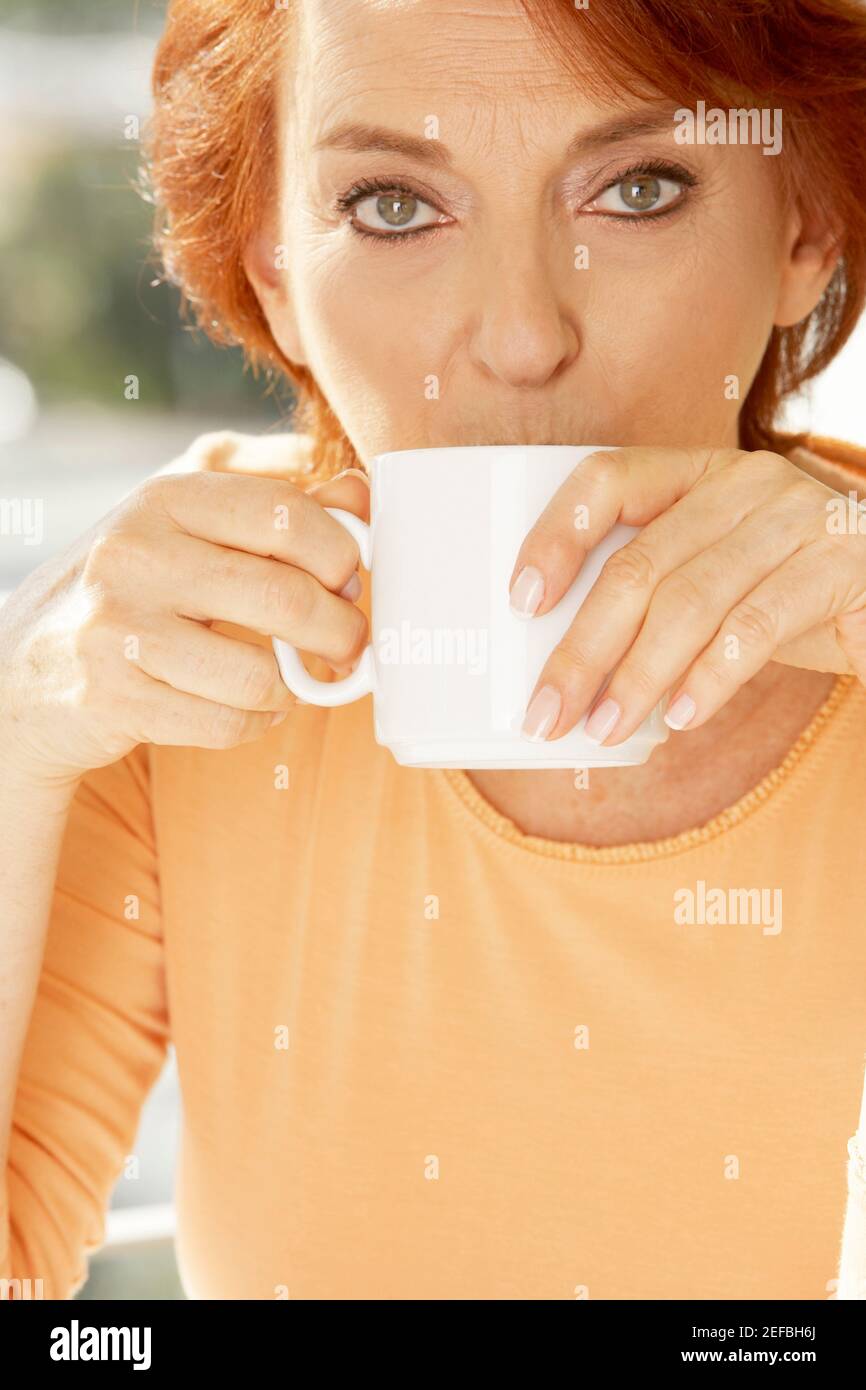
point(361, 138)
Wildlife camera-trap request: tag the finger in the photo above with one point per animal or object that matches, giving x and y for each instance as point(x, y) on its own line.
point(260, 516)
point(712, 509)
point(684, 613)
point(612, 615)
point(350, 490)
point(160, 714)
point(629, 485)
point(657, 560)
point(226, 670)
point(264, 595)
point(797, 596)
point(818, 649)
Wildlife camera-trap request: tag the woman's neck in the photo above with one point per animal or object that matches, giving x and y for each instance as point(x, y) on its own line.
point(687, 780)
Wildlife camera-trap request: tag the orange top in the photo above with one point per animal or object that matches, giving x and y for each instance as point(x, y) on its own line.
point(424, 1055)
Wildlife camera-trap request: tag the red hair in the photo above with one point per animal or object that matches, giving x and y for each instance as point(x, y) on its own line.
point(211, 153)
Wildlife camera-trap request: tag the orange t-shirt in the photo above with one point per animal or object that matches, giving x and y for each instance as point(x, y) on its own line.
point(423, 1055)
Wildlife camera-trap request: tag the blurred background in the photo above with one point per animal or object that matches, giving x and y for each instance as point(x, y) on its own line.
point(79, 311)
point(80, 315)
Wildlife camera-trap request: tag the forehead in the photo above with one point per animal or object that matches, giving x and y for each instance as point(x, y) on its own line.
point(392, 57)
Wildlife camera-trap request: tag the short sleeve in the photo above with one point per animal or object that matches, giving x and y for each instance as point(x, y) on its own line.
point(97, 1037)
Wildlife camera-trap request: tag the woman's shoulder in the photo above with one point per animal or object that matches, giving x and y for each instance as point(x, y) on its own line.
point(288, 456)
point(835, 462)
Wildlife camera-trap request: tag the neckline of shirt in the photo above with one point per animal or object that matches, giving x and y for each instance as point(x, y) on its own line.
point(799, 755)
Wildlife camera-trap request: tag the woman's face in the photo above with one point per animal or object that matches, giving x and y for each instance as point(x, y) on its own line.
point(577, 280)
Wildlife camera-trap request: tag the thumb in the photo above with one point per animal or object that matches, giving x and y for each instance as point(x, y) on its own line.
point(349, 490)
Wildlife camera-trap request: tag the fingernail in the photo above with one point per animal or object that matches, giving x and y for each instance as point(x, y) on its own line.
point(351, 589)
point(680, 712)
point(600, 723)
point(542, 714)
point(278, 717)
point(527, 592)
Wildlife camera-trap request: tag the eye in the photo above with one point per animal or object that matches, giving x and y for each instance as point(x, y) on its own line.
point(388, 211)
point(643, 193)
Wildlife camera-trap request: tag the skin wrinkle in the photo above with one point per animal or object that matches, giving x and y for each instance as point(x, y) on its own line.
point(388, 252)
point(524, 347)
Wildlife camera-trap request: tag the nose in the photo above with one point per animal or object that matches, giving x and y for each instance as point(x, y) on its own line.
point(524, 331)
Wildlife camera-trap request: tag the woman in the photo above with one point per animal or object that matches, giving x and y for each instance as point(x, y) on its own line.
point(450, 1034)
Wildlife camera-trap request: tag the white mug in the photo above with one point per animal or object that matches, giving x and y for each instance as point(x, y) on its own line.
point(449, 666)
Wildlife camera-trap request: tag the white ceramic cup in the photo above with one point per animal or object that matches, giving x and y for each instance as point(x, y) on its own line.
point(449, 666)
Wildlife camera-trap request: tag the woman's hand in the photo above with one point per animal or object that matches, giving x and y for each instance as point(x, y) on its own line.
point(740, 561)
point(111, 644)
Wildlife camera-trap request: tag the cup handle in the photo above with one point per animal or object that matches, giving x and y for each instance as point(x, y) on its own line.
point(292, 669)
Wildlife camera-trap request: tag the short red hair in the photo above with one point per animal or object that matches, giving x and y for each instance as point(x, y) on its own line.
point(211, 152)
